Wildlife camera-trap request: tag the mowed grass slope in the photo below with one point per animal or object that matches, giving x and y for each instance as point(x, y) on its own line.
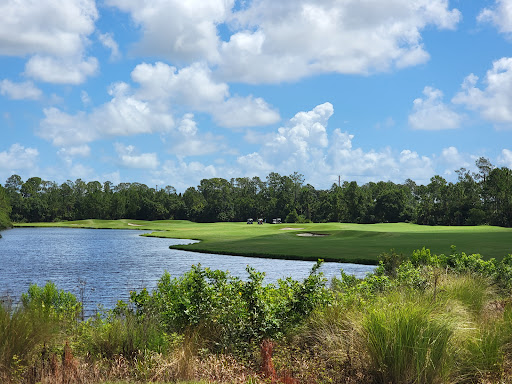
point(360, 243)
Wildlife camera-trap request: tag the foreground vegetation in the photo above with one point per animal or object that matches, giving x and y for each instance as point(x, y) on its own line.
point(482, 198)
point(360, 243)
point(420, 318)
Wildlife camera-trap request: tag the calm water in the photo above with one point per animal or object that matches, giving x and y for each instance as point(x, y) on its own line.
point(103, 265)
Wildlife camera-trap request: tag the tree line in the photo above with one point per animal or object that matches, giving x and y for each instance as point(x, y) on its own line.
point(476, 198)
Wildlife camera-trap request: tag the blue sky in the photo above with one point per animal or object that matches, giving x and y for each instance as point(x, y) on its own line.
point(171, 92)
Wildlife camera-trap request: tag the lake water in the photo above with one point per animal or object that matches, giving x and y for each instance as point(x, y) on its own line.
point(101, 266)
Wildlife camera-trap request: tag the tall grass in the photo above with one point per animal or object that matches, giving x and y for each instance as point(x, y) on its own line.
point(23, 331)
point(406, 340)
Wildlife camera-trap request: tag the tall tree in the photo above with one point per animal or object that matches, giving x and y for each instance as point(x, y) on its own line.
point(5, 209)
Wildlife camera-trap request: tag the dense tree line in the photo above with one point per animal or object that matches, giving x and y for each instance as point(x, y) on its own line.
point(478, 198)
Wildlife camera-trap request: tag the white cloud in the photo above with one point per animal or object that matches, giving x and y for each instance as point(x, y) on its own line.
point(129, 157)
point(194, 87)
point(107, 39)
point(188, 142)
point(305, 144)
point(73, 70)
point(80, 171)
point(81, 150)
point(244, 112)
point(451, 159)
point(297, 38)
point(48, 27)
point(272, 42)
point(182, 175)
point(432, 114)
point(189, 27)
point(506, 158)
point(17, 157)
point(84, 96)
point(54, 34)
point(494, 102)
point(123, 115)
point(500, 15)
point(20, 91)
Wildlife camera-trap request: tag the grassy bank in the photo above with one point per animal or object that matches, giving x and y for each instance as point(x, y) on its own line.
point(360, 243)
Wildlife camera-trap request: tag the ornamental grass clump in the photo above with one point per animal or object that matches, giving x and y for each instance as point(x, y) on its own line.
point(406, 339)
point(23, 332)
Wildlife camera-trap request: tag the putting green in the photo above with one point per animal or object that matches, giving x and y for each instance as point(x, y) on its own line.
point(361, 243)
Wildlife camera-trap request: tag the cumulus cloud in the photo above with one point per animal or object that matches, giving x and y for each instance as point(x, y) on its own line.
point(192, 86)
point(17, 157)
point(500, 15)
point(305, 143)
point(45, 26)
point(432, 114)
point(54, 34)
point(494, 102)
point(297, 38)
point(195, 87)
point(129, 157)
point(20, 91)
point(272, 42)
point(123, 115)
point(244, 112)
point(72, 70)
point(506, 158)
point(189, 27)
point(188, 142)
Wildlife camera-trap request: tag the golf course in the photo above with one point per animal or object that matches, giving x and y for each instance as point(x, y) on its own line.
point(342, 242)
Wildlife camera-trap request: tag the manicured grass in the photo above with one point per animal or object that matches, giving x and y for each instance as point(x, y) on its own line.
point(361, 243)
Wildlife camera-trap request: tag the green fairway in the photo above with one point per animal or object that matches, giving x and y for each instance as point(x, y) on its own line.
point(361, 243)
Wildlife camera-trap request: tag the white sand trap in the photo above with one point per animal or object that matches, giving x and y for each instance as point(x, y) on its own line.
point(135, 225)
point(308, 234)
point(290, 229)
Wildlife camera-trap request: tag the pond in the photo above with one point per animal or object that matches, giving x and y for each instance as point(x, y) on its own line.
point(101, 266)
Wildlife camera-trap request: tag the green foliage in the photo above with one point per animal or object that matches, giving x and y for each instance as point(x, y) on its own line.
point(236, 313)
point(5, 209)
point(52, 301)
point(475, 199)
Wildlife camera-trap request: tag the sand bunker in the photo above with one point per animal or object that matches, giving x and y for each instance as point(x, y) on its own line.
point(135, 225)
point(309, 234)
point(290, 229)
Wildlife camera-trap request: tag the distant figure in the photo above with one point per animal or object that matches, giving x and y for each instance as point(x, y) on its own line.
point(249, 221)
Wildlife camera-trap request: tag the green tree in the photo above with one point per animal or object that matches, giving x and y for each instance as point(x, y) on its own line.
point(5, 209)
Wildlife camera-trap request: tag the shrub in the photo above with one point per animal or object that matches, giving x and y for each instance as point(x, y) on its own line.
point(52, 301)
point(234, 314)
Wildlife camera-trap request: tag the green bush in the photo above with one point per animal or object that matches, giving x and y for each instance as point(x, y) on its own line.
point(52, 301)
point(233, 313)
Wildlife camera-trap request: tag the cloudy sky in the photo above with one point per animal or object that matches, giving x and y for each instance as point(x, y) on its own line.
point(168, 92)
